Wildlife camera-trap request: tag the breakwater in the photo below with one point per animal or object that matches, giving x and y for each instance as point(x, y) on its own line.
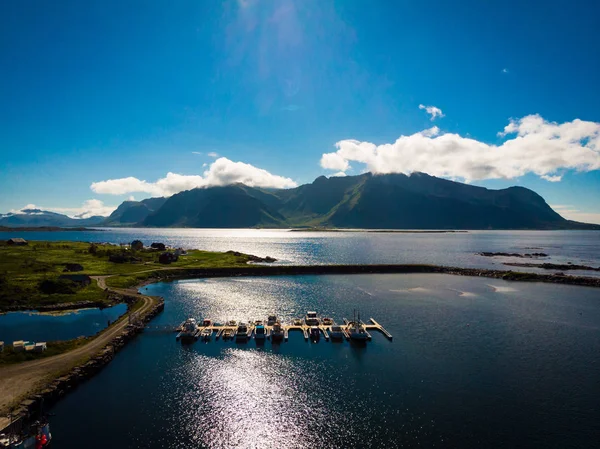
point(287, 270)
point(29, 409)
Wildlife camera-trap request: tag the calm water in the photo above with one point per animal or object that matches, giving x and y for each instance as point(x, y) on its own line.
point(474, 363)
point(578, 247)
point(35, 326)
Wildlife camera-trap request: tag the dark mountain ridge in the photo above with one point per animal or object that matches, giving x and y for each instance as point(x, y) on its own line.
point(390, 201)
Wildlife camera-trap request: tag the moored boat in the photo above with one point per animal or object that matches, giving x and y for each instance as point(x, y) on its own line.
point(357, 330)
point(228, 333)
point(259, 332)
point(189, 331)
point(297, 322)
point(327, 321)
point(315, 333)
point(271, 320)
point(241, 333)
point(336, 332)
point(206, 323)
point(277, 333)
point(311, 319)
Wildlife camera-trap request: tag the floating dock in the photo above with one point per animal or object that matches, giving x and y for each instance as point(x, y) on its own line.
point(220, 329)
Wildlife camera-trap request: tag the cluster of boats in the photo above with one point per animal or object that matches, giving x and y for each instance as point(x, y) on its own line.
point(272, 328)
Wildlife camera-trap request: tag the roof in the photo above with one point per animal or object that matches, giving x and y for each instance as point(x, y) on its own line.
point(17, 240)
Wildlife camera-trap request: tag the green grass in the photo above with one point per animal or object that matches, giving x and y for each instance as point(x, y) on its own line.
point(54, 348)
point(23, 268)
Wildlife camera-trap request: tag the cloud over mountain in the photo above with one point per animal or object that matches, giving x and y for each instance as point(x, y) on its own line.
point(537, 146)
point(89, 208)
point(220, 173)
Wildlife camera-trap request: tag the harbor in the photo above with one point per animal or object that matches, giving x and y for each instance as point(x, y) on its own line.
point(311, 326)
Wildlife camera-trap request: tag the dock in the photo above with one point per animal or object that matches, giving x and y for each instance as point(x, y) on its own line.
point(220, 329)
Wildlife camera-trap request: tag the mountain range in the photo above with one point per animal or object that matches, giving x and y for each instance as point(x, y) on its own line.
point(391, 201)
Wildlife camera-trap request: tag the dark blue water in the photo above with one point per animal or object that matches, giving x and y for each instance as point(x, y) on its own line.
point(33, 326)
point(454, 249)
point(474, 363)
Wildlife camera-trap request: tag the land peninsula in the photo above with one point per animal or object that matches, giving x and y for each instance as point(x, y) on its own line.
point(54, 276)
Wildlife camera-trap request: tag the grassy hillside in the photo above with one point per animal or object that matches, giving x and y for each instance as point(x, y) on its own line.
point(29, 275)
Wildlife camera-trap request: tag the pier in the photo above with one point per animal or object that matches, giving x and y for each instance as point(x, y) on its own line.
point(220, 330)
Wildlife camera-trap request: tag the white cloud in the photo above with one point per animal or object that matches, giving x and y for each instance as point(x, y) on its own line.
point(433, 111)
point(89, 208)
point(213, 154)
point(505, 70)
point(338, 174)
point(200, 153)
point(549, 178)
point(538, 146)
point(571, 213)
point(220, 173)
point(131, 198)
point(334, 161)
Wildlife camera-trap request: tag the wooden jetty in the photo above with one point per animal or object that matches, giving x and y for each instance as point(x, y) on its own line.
point(372, 325)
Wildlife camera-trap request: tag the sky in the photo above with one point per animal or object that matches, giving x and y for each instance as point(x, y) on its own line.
point(106, 101)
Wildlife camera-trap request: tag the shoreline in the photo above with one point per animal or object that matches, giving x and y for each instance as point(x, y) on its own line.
point(299, 270)
point(56, 387)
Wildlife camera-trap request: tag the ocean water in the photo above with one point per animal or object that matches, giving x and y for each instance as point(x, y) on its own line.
point(34, 326)
point(454, 249)
point(474, 363)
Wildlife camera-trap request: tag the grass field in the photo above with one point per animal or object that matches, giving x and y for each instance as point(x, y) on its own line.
point(23, 270)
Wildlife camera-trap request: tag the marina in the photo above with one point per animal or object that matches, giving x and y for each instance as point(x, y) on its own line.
point(355, 329)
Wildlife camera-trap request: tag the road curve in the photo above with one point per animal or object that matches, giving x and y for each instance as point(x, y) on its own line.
point(21, 380)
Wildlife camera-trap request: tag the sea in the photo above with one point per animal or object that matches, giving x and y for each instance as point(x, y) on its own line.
point(474, 362)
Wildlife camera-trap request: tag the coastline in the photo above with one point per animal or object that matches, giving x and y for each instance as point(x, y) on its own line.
point(119, 333)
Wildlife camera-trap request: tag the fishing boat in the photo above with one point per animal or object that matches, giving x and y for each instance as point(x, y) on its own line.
point(228, 334)
point(258, 322)
point(242, 333)
point(311, 319)
point(271, 320)
point(297, 322)
point(206, 323)
point(336, 332)
point(315, 333)
point(206, 334)
point(277, 333)
point(259, 333)
point(189, 331)
point(356, 329)
point(327, 321)
point(231, 323)
point(35, 436)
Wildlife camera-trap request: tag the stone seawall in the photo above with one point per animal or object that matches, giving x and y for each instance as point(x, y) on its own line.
point(29, 409)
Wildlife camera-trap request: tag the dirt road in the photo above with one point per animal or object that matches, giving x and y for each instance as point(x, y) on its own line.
point(23, 379)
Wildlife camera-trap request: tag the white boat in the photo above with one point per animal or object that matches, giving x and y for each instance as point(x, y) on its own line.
point(356, 330)
point(277, 333)
point(336, 332)
point(259, 332)
point(189, 331)
point(242, 333)
point(311, 319)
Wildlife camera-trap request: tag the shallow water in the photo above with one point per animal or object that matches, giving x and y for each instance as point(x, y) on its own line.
point(474, 363)
point(34, 326)
point(453, 249)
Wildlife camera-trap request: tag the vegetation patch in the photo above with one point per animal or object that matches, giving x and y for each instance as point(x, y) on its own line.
point(30, 275)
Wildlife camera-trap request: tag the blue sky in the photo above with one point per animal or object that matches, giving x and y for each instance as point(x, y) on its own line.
point(125, 92)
